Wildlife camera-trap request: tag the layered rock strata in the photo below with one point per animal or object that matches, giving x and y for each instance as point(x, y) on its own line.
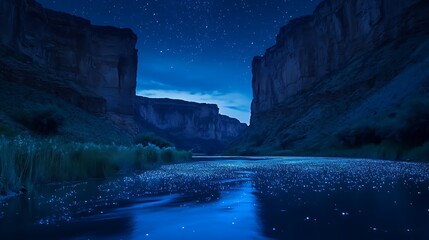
point(102, 60)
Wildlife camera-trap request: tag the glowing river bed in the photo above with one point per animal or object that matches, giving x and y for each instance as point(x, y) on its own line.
point(276, 198)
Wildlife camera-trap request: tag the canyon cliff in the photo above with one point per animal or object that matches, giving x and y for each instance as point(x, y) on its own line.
point(348, 63)
point(189, 125)
point(53, 62)
point(309, 48)
point(97, 65)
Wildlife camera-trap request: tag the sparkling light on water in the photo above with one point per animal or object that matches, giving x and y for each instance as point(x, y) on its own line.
point(254, 197)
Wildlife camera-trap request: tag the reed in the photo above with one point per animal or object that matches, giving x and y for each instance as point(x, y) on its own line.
point(25, 161)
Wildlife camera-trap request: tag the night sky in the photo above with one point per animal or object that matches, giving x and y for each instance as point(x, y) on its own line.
point(197, 50)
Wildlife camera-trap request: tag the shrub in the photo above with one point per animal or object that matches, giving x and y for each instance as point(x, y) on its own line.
point(419, 153)
point(413, 123)
point(43, 121)
point(151, 138)
point(151, 153)
point(181, 155)
point(409, 127)
point(359, 136)
point(167, 155)
point(5, 130)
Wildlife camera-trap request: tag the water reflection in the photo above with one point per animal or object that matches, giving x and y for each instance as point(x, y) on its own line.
point(275, 199)
point(232, 215)
point(391, 213)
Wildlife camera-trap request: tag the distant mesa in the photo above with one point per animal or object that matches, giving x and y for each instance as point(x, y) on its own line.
point(196, 126)
point(95, 68)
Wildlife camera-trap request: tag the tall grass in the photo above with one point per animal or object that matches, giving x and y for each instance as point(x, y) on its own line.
point(25, 162)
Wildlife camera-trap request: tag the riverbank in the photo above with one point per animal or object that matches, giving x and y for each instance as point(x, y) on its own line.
point(26, 162)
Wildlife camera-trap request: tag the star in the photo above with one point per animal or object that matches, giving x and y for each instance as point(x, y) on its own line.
point(199, 36)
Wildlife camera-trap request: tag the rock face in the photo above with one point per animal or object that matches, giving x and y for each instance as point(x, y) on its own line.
point(348, 74)
point(188, 124)
point(310, 48)
point(101, 59)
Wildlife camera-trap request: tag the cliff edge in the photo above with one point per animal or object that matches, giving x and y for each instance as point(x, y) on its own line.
point(196, 126)
point(95, 66)
point(309, 48)
point(348, 80)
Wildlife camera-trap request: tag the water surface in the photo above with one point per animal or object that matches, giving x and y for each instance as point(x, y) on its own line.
point(276, 198)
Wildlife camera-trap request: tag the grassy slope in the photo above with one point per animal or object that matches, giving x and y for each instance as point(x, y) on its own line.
point(85, 146)
point(82, 146)
point(27, 88)
point(372, 88)
point(78, 125)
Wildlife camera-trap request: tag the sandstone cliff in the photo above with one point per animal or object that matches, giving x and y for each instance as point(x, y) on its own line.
point(94, 68)
point(196, 126)
point(311, 47)
point(100, 60)
point(357, 62)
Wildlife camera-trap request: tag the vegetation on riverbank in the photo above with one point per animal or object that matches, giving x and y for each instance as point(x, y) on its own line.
point(45, 139)
point(25, 161)
point(27, 111)
point(376, 106)
point(402, 134)
point(151, 138)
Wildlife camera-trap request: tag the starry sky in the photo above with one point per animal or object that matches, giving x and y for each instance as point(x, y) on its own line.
point(196, 50)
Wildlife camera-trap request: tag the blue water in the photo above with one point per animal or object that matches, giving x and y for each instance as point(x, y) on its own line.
point(276, 198)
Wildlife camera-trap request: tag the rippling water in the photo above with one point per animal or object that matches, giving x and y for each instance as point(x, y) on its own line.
point(277, 198)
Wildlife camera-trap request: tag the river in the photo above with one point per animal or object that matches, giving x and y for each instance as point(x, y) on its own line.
point(258, 198)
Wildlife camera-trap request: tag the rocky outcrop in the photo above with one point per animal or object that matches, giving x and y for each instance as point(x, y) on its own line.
point(310, 48)
point(94, 68)
point(349, 80)
point(103, 60)
point(191, 125)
